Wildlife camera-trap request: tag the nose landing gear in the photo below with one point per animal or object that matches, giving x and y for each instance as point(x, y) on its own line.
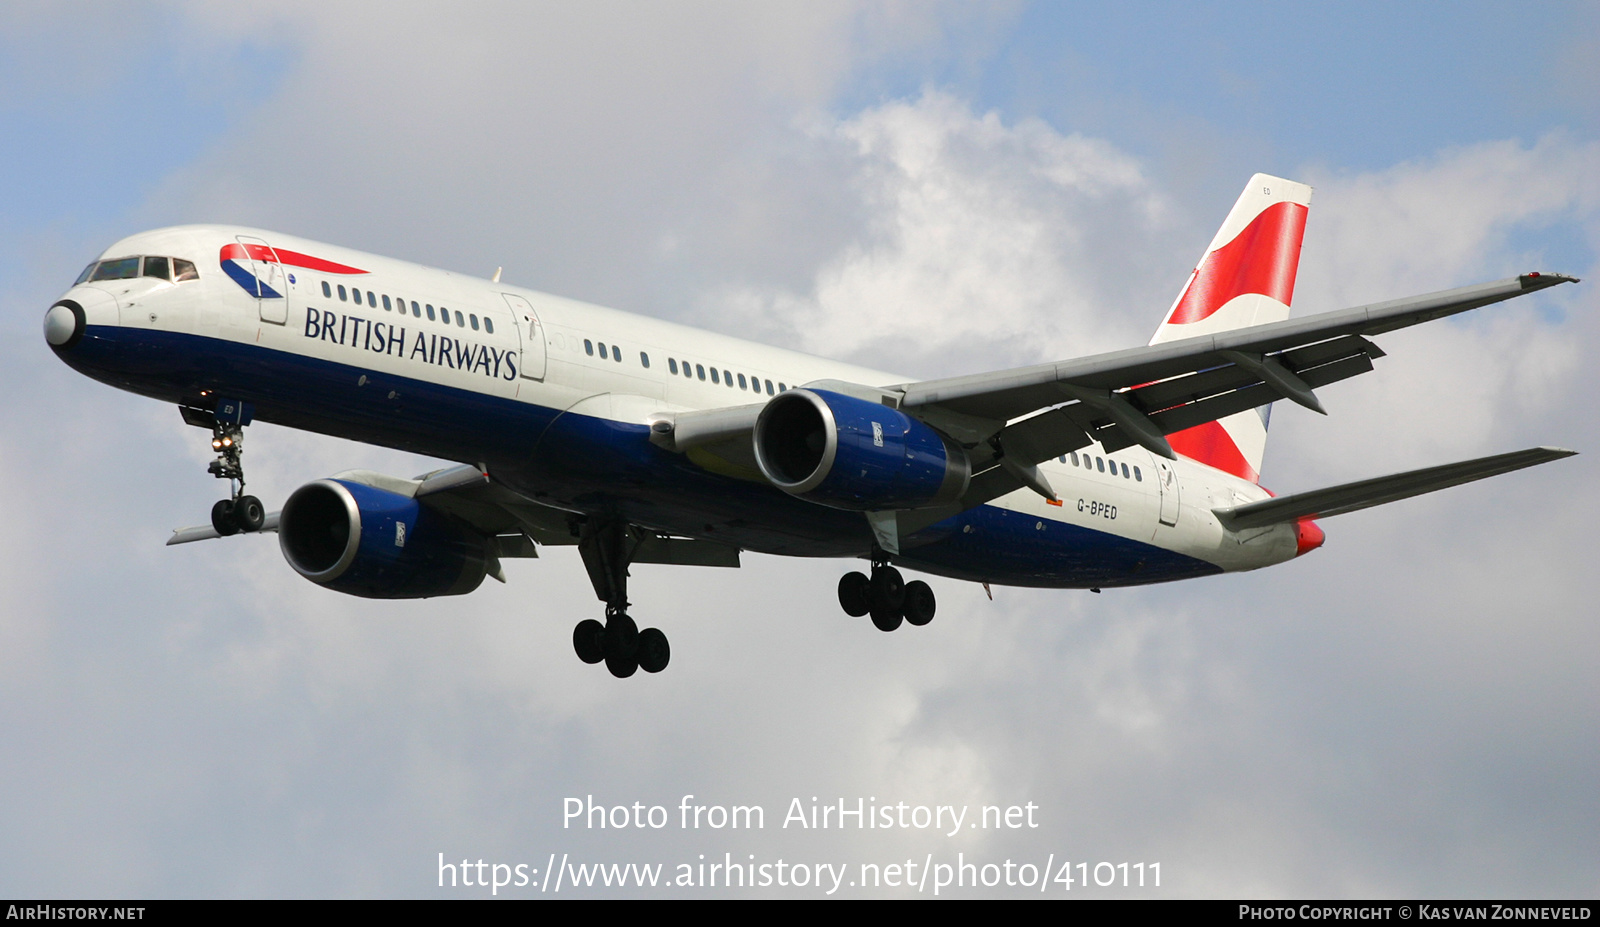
point(887, 597)
point(238, 512)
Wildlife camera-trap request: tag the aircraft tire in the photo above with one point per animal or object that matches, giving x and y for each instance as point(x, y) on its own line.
point(622, 667)
point(622, 639)
point(920, 603)
point(886, 620)
point(249, 514)
point(887, 591)
point(588, 639)
point(222, 518)
point(854, 589)
point(653, 650)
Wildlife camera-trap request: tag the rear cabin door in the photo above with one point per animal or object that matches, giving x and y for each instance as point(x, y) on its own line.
point(532, 334)
point(1167, 479)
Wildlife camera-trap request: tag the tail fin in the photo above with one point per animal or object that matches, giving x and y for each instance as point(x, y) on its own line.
point(1246, 277)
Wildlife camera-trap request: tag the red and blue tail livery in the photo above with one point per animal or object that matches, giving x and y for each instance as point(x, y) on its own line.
point(637, 440)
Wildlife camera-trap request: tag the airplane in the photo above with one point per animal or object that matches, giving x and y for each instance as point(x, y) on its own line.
point(642, 441)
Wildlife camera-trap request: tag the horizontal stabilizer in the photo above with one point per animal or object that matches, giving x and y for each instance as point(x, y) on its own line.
point(1352, 497)
point(206, 532)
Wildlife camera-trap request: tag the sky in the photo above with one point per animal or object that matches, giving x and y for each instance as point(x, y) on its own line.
point(931, 188)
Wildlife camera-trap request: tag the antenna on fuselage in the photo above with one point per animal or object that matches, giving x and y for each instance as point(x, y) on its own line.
point(496, 277)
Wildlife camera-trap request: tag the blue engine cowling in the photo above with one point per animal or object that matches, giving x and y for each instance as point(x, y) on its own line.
point(378, 544)
point(849, 453)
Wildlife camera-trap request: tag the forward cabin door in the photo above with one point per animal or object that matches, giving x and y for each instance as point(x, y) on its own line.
point(272, 287)
point(532, 335)
point(1167, 479)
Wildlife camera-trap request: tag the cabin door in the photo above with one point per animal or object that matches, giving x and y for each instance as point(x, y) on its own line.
point(271, 289)
point(532, 334)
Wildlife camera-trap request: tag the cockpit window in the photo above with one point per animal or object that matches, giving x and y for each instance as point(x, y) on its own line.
point(161, 268)
point(119, 269)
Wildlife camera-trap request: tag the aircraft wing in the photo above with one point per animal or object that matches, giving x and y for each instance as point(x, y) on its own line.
point(1353, 497)
point(1011, 420)
point(1139, 395)
point(517, 525)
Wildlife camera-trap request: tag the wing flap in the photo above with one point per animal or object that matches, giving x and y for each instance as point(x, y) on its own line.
point(1352, 497)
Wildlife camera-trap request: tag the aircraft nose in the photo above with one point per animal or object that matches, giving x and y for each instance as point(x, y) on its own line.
point(67, 320)
point(64, 324)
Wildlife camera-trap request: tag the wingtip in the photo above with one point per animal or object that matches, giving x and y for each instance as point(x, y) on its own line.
point(1538, 279)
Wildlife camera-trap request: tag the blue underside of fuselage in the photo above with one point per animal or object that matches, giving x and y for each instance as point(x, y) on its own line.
point(599, 466)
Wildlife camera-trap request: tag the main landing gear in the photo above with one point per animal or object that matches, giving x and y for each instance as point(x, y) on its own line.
point(607, 547)
point(887, 597)
point(238, 512)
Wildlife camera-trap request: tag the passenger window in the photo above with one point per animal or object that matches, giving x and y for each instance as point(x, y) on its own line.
point(644, 359)
point(769, 387)
point(1074, 455)
point(1124, 471)
point(741, 381)
point(588, 347)
point(474, 318)
point(460, 322)
point(120, 269)
point(416, 310)
point(431, 316)
point(488, 325)
point(1137, 476)
point(1100, 463)
point(157, 267)
point(781, 387)
point(386, 303)
point(701, 371)
point(184, 270)
point(372, 300)
point(86, 272)
point(727, 378)
point(714, 375)
point(327, 290)
point(672, 365)
point(343, 298)
point(616, 354)
point(686, 371)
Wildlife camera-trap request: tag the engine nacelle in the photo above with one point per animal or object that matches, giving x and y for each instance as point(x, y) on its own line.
point(849, 453)
point(378, 544)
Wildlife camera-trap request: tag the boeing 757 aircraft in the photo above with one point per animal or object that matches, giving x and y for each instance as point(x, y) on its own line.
point(641, 441)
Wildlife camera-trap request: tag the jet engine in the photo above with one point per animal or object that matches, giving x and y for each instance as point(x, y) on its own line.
point(850, 453)
point(378, 544)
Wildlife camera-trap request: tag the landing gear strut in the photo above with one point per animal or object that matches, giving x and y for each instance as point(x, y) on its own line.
point(607, 546)
point(885, 596)
point(238, 512)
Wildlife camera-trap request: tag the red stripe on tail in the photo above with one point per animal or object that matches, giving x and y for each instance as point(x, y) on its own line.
point(1263, 258)
point(1210, 444)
